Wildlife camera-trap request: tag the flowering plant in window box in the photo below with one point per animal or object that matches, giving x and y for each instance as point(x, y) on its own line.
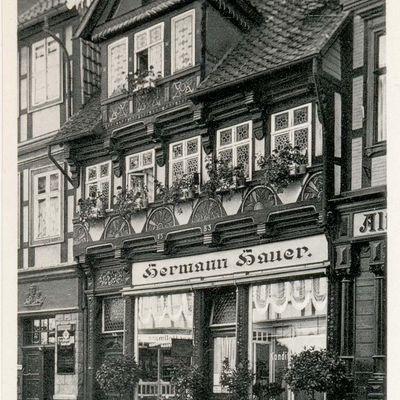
point(126, 201)
point(283, 166)
point(142, 81)
point(94, 207)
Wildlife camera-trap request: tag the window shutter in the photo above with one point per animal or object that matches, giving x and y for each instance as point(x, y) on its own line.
point(53, 70)
point(39, 74)
point(183, 42)
point(118, 67)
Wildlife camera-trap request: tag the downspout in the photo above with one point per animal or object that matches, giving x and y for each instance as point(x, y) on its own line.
point(68, 93)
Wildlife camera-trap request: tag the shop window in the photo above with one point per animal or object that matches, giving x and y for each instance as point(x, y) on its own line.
point(39, 331)
point(234, 145)
point(286, 316)
point(47, 206)
point(45, 72)
point(224, 349)
point(183, 41)
point(184, 158)
point(149, 51)
point(292, 127)
point(140, 174)
point(113, 314)
point(165, 333)
point(98, 181)
point(117, 67)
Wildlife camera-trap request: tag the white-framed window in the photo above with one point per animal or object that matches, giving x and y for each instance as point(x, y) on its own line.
point(234, 144)
point(224, 349)
point(149, 50)
point(98, 179)
point(184, 158)
point(293, 126)
point(113, 315)
point(140, 173)
point(117, 67)
point(47, 206)
point(183, 41)
point(45, 72)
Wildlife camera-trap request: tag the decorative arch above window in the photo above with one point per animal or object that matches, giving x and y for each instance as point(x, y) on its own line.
point(160, 218)
point(313, 188)
point(117, 227)
point(206, 210)
point(259, 198)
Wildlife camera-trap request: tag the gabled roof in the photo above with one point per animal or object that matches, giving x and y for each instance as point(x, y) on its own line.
point(40, 8)
point(292, 31)
point(84, 123)
point(89, 30)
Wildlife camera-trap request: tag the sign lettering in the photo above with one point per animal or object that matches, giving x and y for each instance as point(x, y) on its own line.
point(370, 223)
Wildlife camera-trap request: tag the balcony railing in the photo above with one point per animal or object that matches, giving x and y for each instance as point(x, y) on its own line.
point(152, 390)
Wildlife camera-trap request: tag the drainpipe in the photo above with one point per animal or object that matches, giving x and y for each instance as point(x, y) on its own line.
point(68, 92)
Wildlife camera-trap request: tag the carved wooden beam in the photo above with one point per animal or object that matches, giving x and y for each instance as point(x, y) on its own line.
point(74, 166)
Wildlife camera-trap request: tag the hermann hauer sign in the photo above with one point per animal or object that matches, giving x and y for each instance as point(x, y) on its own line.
point(270, 258)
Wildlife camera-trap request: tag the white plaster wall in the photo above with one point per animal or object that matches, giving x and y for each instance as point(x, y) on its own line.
point(46, 256)
point(45, 121)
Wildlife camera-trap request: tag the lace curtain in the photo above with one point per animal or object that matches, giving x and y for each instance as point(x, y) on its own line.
point(166, 311)
point(296, 294)
point(224, 347)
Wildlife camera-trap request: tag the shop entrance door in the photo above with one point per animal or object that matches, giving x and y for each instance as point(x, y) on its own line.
point(38, 374)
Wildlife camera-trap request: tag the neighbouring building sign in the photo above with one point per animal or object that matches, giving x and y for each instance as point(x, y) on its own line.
point(66, 349)
point(230, 263)
point(370, 223)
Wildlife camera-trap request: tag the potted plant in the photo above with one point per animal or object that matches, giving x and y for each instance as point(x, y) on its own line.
point(239, 175)
point(190, 383)
point(118, 375)
point(317, 371)
point(237, 380)
point(282, 166)
point(270, 391)
point(95, 206)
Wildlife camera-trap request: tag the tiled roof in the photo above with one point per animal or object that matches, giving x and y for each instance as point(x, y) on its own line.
point(292, 30)
point(82, 123)
point(154, 9)
point(40, 8)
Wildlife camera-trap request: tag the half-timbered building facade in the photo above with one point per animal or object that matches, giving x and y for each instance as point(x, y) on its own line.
point(205, 260)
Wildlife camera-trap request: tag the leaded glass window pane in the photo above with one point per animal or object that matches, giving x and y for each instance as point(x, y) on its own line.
point(147, 158)
point(281, 141)
point(192, 147)
point(134, 162)
point(225, 137)
point(281, 121)
point(224, 309)
point(113, 314)
point(92, 173)
point(301, 138)
point(242, 132)
point(177, 150)
point(104, 170)
point(177, 170)
point(300, 116)
point(192, 165)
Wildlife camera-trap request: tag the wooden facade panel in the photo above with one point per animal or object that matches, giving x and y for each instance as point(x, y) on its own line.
point(364, 349)
point(364, 307)
point(331, 63)
point(378, 171)
point(365, 321)
point(358, 90)
point(356, 164)
point(358, 42)
point(365, 336)
point(338, 125)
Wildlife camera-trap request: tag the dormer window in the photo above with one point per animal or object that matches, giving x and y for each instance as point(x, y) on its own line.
point(183, 41)
point(117, 67)
point(149, 51)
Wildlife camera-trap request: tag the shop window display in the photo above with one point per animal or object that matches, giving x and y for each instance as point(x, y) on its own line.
point(286, 317)
point(164, 322)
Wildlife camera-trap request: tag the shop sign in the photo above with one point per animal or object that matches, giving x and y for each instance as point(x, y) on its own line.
point(163, 340)
point(370, 223)
point(66, 349)
point(228, 263)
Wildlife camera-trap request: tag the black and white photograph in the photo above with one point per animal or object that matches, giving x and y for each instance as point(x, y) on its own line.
point(200, 200)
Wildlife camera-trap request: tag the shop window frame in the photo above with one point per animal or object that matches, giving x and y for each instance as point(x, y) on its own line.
point(103, 330)
point(38, 318)
point(375, 29)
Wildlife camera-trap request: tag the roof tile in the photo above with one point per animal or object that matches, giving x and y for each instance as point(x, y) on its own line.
point(40, 8)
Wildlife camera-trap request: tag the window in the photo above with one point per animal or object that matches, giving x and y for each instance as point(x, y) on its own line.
point(47, 204)
point(98, 180)
point(224, 349)
point(293, 127)
point(140, 173)
point(39, 331)
point(184, 158)
point(234, 144)
point(113, 314)
point(380, 85)
point(46, 72)
point(149, 50)
point(117, 67)
point(224, 309)
point(183, 41)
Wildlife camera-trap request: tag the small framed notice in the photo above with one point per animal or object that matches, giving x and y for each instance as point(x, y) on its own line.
point(66, 349)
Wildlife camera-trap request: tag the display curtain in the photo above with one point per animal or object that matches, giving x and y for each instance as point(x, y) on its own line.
point(277, 297)
point(224, 348)
point(166, 311)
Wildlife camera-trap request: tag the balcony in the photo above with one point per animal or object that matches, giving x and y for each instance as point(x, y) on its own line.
point(148, 95)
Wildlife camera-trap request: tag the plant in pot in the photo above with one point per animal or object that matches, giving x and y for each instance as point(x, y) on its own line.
point(282, 166)
point(190, 383)
point(222, 177)
point(237, 380)
point(94, 207)
point(270, 391)
point(239, 175)
point(118, 375)
point(318, 371)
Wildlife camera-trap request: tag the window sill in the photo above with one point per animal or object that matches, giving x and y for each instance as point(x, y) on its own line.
point(378, 149)
point(46, 242)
